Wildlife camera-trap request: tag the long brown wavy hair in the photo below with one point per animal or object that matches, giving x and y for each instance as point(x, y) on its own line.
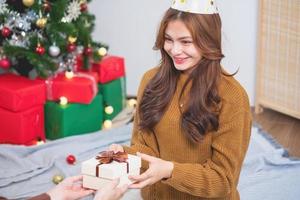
point(201, 113)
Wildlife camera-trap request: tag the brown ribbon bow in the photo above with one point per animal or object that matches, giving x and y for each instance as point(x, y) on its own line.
point(106, 157)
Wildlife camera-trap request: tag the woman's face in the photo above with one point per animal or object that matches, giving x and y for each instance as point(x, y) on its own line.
point(180, 46)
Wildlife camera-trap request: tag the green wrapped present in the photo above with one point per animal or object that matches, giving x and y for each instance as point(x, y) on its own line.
point(73, 118)
point(114, 97)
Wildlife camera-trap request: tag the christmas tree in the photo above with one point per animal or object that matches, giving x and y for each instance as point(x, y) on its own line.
point(43, 37)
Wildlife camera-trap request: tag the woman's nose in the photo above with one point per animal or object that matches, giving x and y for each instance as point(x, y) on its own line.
point(176, 49)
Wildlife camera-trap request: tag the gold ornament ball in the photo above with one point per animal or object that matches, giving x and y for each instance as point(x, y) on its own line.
point(41, 23)
point(72, 39)
point(107, 124)
point(28, 3)
point(102, 51)
point(57, 179)
point(109, 110)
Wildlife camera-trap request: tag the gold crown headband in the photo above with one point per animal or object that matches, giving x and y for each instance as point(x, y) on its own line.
point(196, 6)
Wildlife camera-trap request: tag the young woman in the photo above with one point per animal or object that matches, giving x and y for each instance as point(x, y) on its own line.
point(193, 120)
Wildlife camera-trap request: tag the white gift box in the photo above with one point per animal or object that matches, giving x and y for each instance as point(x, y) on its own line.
point(97, 175)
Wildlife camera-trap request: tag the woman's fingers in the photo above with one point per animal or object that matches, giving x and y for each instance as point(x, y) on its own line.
point(142, 184)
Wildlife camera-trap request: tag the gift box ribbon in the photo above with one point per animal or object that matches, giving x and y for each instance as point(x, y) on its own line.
point(106, 157)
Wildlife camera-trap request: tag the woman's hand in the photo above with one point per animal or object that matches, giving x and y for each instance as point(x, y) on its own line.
point(69, 189)
point(158, 169)
point(116, 148)
point(111, 191)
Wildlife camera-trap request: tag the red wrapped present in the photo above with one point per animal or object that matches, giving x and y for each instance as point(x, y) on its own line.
point(82, 88)
point(24, 127)
point(110, 68)
point(18, 93)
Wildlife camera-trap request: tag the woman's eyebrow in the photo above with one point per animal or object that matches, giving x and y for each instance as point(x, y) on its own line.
point(181, 38)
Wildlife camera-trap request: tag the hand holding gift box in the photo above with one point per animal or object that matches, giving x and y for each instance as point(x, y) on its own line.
point(107, 166)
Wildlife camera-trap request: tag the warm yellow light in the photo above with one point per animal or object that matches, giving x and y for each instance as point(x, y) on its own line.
point(72, 39)
point(131, 102)
point(107, 124)
point(109, 110)
point(69, 74)
point(102, 51)
point(40, 142)
point(63, 101)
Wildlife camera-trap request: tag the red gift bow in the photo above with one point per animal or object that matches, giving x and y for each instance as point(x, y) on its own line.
point(107, 157)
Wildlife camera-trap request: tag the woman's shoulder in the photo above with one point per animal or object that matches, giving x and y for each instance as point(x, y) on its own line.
point(148, 75)
point(232, 92)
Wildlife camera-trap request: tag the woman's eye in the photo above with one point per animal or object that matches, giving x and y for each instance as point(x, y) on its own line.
point(186, 42)
point(168, 40)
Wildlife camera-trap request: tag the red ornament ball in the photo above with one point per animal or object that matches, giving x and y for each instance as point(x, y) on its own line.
point(5, 63)
point(46, 6)
point(88, 51)
point(40, 50)
point(5, 31)
point(71, 47)
point(83, 7)
point(71, 159)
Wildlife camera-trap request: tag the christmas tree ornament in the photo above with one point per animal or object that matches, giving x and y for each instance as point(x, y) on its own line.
point(73, 12)
point(109, 110)
point(3, 6)
point(40, 49)
point(83, 7)
point(71, 47)
point(107, 124)
point(57, 179)
point(88, 51)
point(72, 39)
point(131, 103)
point(46, 6)
point(196, 6)
point(28, 3)
point(5, 63)
point(54, 50)
point(102, 51)
point(5, 31)
point(63, 101)
point(41, 22)
point(71, 159)
point(69, 74)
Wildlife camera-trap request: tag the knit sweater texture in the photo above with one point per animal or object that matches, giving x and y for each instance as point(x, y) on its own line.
point(207, 170)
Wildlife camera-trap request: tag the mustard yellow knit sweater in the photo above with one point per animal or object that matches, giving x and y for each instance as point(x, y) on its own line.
point(208, 170)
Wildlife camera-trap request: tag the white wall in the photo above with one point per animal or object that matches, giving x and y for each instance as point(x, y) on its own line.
point(129, 28)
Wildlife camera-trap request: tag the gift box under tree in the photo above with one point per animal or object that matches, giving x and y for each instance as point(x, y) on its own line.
point(112, 83)
point(77, 88)
point(21, 110)
point(108, 69)
point(114, 97)
point(73, 118)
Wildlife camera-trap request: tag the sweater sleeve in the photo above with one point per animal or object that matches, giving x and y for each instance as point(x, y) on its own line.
point(218, 176)
point(142, 141)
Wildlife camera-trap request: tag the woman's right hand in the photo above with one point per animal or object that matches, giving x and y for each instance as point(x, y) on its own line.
point(116, 148)
point(111, 191)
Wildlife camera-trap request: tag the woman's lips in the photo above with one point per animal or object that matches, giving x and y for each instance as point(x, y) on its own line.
point(179, 60)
